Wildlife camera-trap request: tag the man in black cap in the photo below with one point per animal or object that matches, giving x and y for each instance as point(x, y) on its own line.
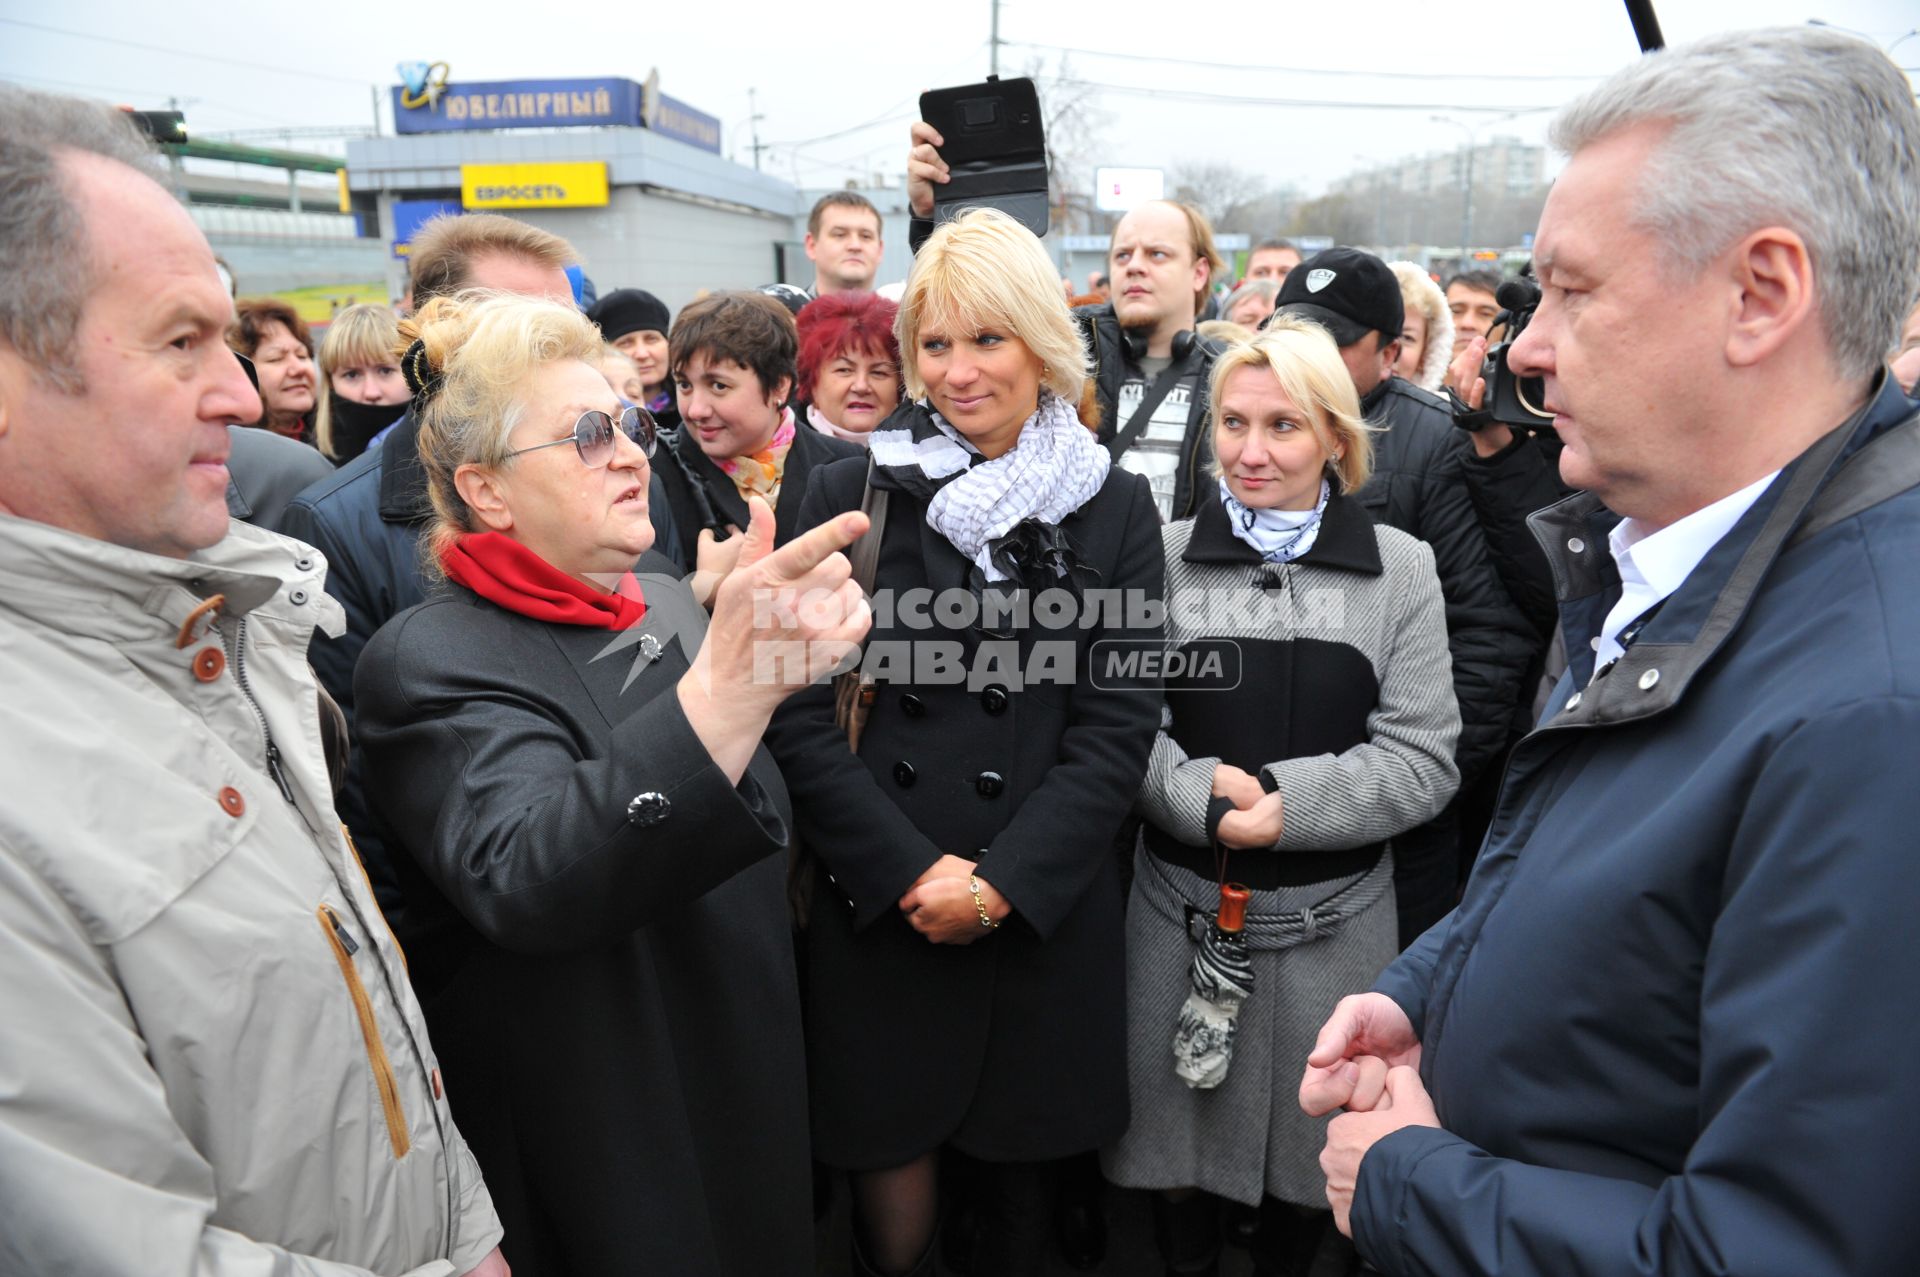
point(636, 323)
point(1418, 487)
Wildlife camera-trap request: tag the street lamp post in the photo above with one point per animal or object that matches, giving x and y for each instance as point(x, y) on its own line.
point(1466, 211)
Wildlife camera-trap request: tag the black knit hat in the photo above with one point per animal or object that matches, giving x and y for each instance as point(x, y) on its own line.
point(1348, 292)
point(629, 310)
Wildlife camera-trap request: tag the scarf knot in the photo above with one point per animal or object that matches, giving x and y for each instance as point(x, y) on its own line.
point(761, 472)
point(981, 505)
point(1279, 536)
point(501, 570)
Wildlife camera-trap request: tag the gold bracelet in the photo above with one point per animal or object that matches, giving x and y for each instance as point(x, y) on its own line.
point(985, 920)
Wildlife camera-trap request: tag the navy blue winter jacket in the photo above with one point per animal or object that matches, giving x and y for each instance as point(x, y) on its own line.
point(1671, 1029)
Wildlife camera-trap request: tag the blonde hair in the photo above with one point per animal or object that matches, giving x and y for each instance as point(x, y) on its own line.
point(484, 347)
point(985, 270)
point(1303, 358)
point(357, 336)
point(1200, 237)
point(1224, 331)
point(1421, 295)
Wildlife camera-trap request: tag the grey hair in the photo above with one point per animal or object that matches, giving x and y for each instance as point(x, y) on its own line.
point(1264, 288)
point(1799, 127)
point(48, 275)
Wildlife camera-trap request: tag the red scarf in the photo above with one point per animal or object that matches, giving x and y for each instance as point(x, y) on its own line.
point(501, 570)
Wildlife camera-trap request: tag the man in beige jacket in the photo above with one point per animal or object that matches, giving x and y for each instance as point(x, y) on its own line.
point(210, 1058)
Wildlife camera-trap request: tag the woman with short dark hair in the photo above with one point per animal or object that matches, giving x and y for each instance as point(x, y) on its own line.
point(272, 334)
point(731, 357)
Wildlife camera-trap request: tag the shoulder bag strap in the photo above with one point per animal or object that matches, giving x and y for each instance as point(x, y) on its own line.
point(866, 551)
point(1142, 417)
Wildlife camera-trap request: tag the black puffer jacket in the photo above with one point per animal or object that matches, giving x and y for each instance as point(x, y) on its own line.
point(1108, 351)
point(1418, 486)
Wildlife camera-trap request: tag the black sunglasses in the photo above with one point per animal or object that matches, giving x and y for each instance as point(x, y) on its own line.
point(592, 435)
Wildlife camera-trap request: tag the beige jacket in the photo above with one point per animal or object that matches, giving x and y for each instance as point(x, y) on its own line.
point(210, 1059)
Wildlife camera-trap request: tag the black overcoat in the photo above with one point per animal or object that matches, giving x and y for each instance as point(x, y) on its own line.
point(597, 929)
point(701, 494)
point(1011, 1048)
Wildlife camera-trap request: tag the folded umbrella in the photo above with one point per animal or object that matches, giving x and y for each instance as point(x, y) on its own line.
point(1221, 978)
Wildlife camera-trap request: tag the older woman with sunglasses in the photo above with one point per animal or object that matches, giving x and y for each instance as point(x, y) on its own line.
point(592, 833)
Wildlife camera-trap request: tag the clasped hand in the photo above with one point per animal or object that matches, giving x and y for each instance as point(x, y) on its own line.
point(1256, 818)
point(940, 905)
point(1365, 1061)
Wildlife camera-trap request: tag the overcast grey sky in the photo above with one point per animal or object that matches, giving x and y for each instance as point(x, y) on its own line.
point(837, 83)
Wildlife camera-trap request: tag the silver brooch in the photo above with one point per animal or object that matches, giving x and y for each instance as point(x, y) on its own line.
point(649, 648)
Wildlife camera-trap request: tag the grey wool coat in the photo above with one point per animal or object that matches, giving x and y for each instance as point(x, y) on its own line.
point(1342, 702)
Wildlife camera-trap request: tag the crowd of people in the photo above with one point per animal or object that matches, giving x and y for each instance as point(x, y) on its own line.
point(541, 783)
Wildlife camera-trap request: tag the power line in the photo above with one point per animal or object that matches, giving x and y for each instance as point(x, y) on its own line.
point(184, 53)
point(892, 115)
point(1327, 71)
point(1234, 99)
point(118, 90)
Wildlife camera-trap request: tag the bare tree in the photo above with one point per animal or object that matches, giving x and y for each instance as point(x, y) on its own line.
point(1218, 189)
point(1346, 219)
point(1076, 132)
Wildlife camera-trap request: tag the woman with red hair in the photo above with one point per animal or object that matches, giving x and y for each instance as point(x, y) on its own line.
point(849, 363)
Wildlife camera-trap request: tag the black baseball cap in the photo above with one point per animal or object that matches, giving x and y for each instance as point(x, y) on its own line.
point(1348, 292)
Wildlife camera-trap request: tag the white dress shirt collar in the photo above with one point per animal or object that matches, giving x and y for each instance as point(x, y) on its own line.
point(1655, 564)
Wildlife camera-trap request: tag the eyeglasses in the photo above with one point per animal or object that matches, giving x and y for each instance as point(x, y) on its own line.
point(592, 436)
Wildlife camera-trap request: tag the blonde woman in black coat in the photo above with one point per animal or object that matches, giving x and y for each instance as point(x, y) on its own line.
point(964, 945)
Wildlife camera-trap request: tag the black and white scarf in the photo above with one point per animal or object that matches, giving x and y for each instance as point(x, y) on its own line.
point(981, 506)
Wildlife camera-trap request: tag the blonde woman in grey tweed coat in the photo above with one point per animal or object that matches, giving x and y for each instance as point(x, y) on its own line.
point(1314, 721)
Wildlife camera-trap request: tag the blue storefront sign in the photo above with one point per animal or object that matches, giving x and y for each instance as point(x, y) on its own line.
point(410, 215)
point(445, 107)
point(520, 104)
point(675, 119)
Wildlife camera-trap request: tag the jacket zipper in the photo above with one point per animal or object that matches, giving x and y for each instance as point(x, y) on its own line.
point(246, 689)
point(413, 1043)
point(344, 947)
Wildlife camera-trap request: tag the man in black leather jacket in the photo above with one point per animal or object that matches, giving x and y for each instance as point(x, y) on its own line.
point(1418, 486)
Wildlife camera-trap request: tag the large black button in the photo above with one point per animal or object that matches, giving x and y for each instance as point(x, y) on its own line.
point(994, 699)
point(989, 784)
point(648, 809)
point(912, 706)
point(903, 775)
